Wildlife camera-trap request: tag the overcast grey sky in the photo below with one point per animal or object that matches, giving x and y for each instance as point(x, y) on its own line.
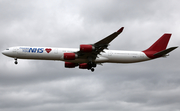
point(48, 86)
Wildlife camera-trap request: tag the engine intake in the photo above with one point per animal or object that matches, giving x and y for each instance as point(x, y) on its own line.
point(86, 48)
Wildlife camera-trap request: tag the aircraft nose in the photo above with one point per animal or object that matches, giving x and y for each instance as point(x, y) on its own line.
point(8, 53)
point(4, 52)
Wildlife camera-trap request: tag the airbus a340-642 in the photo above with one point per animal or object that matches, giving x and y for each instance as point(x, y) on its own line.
point(88, 56)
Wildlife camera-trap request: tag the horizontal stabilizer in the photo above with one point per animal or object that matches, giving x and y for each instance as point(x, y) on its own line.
point(164, 52)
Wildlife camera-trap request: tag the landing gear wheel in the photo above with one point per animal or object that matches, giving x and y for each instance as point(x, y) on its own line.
point(15, 61)
point(92, 69)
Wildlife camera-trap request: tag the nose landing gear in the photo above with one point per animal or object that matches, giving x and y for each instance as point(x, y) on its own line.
point(16, 62)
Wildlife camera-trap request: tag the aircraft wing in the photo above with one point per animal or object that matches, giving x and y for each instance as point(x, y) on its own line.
point(99, 46)
point(104, 43)
point(109, 38)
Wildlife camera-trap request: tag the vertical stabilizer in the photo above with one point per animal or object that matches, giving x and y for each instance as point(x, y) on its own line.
point(158, 46)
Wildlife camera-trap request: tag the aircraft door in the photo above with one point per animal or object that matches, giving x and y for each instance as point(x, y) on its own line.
point(110, 53)
point(55, 51)
point(15, 51)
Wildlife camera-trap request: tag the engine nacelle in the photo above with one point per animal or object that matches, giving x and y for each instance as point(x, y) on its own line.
point(70, 65)
point(83, 66)
point(70, 56)
point(86, 66)
point(86, 48)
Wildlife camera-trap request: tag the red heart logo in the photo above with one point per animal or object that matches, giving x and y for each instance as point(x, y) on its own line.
point(48, 50)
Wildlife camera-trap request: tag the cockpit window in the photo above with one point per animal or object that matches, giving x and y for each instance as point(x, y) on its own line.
point(7, 49)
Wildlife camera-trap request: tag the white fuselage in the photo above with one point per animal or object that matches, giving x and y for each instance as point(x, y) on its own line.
point(50, 53)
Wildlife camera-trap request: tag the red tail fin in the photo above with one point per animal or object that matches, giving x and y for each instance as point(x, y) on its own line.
point(158, 46)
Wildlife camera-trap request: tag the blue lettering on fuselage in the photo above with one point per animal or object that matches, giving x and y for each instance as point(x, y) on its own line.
point(40, 50)
point(32, 50)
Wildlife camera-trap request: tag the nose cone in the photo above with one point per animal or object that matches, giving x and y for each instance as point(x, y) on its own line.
point(4, 52)
point(9, 53)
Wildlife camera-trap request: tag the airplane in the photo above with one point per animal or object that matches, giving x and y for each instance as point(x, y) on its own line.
point(88, 56)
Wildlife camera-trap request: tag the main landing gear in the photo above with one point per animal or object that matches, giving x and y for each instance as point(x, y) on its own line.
point(92, 69)
point(91, 66)
point(16, 62)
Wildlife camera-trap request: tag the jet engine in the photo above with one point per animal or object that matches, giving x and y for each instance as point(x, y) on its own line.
point(83, 66)
point(86, 48)
point(86, 65)
point(70, 65)
point(70, 56)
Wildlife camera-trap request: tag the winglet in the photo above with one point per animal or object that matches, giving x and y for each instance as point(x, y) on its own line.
point(120, 30)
